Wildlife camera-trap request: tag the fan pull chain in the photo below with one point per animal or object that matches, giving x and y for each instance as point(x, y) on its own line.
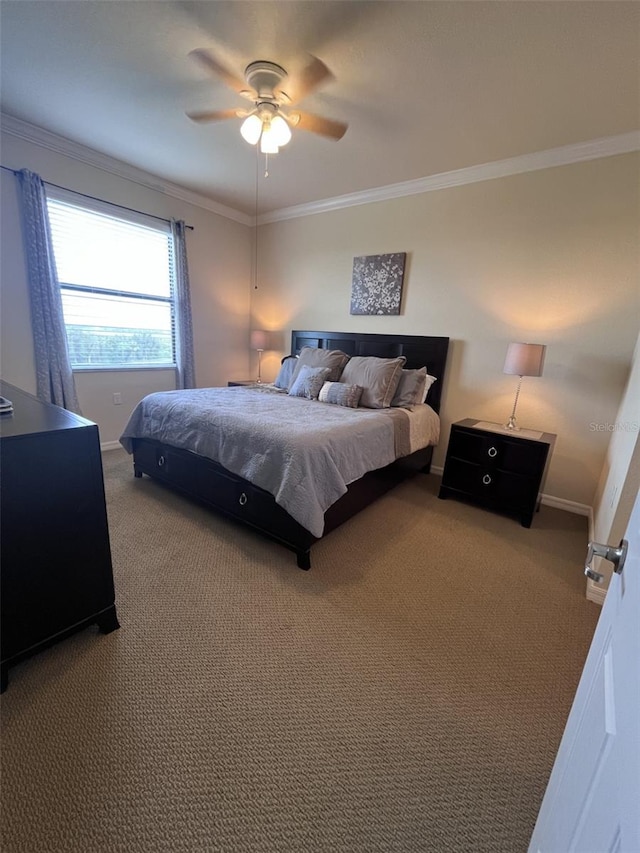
point(255, 228)
point(266, 165)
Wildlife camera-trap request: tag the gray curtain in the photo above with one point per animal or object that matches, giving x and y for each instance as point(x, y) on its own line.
point(186, 374)
point(54, 376)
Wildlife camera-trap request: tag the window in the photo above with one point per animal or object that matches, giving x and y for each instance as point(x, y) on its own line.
point(116, 275)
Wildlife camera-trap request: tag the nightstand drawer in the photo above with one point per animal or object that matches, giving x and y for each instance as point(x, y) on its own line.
point(491, 485)
point(497, 451)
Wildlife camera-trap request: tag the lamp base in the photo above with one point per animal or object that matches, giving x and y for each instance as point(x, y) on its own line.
point(511, 423)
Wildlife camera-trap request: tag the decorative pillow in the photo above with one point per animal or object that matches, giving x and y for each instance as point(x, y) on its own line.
point(334, 359)
point(412, 387)
point(378, 378)
point(308, 382)
point(285, 374)
point(340, 394)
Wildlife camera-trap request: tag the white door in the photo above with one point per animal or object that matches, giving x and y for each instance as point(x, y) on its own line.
point(592, 802)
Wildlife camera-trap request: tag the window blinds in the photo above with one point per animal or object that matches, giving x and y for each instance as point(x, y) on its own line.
point(117, 285)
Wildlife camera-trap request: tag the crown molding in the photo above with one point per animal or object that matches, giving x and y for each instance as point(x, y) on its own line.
point(61, 145)
point(594, 149)
point(579, 152)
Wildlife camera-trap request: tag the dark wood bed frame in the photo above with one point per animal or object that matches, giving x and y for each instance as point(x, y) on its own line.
point(209, 483)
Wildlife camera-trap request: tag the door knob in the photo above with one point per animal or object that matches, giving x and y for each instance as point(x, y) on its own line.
point(617, 556)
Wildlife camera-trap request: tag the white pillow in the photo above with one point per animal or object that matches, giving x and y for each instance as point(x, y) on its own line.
point(428, 384)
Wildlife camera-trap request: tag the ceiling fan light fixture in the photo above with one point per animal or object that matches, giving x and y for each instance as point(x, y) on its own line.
point(251, 129)
point(269, 140)
point(280, 130)
point(263, 84)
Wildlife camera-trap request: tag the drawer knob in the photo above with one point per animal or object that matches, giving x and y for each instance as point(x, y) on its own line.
point(242, 499)
point(486, 479)
point(160, 461)
point(492, 452)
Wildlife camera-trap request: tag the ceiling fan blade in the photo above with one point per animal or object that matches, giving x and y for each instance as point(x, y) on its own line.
point(236, 83)
point(216, 115)
point(302, 84)
point(317, 124)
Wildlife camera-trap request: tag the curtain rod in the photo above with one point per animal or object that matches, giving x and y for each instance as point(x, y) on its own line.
point(95, 198)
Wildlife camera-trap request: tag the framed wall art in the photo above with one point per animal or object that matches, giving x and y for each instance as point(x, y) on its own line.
point(376, 283)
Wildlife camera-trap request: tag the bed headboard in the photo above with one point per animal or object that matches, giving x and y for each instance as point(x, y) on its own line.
point(420, 351)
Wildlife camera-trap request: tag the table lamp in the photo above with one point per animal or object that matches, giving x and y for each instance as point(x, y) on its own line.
point(522, 360)
point(259, 342)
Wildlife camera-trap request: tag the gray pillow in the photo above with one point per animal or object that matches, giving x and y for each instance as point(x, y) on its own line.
point(340, 394)
point(378, 378)
point(285, 374)
point(412, 387)
point(334, 359)
point(308, 382)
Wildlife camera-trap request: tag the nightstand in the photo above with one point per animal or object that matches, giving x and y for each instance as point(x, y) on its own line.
point(497, 469)
point(243, 382)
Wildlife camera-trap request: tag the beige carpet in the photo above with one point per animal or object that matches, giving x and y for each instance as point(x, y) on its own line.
point(408, 693)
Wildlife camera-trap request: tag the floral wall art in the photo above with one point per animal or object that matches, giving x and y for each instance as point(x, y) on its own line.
point(376, 284)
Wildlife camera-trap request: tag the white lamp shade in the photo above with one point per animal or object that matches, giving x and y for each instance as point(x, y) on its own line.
point(251, 129)
point(524, 359)
point(281, 131)
point(259, 339)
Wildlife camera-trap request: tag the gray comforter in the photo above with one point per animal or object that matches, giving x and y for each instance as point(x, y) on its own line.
point(303, 452)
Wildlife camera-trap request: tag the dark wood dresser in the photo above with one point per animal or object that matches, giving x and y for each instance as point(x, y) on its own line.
point(55, 571)
point(498, 470)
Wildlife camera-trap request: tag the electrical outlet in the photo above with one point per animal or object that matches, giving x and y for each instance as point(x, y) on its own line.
point(117, 398)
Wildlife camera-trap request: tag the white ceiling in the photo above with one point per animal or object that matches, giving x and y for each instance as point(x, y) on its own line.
point(426, 87)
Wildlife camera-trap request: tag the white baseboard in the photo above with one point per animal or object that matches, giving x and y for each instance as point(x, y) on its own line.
point(595, 592)
point(568, 506)
point(110, 445)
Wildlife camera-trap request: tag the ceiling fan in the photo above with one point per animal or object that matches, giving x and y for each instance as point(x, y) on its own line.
point(272, 92)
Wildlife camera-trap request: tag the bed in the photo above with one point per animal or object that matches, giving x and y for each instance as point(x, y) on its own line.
point(170, 445)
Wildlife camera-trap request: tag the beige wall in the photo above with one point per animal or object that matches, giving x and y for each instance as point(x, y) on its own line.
point(545, 257)
point(219, 253)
